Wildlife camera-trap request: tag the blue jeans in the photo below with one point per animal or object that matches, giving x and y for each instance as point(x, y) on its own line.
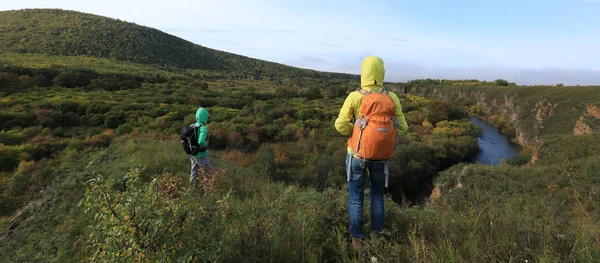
point(203, 163)
point(356, 169)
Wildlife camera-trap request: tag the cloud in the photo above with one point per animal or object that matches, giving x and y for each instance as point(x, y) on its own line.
point(281, 31)
point(220, 41)
point(215, 31)
point(227, 31)
point(174, 30)
point(329, 45)
point(545, 76)
point(395, 39)
point(307, 61)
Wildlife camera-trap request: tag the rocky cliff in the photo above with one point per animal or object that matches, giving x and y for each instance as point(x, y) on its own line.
point(535, 112)
point(588, 122)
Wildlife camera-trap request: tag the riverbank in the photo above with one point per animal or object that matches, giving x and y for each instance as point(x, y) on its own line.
point(535, 112)
point(494, 146)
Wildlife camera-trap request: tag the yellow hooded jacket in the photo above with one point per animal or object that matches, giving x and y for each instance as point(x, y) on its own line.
point(371, 80)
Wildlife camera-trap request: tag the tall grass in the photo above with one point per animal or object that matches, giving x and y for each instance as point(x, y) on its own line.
point(538, 213)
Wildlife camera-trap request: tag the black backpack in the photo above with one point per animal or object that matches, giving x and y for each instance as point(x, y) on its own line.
point(189, 140)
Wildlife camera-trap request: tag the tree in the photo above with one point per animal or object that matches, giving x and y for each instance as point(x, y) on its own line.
point(112, 122)
point(312, 93)
point(265, 161)
point(73, 79)
point(200, 85)
point(501, 82)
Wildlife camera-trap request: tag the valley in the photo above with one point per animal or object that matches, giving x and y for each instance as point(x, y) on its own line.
point(91, 166)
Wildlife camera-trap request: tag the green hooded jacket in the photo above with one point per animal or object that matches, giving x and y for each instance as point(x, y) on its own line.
point(201, 119)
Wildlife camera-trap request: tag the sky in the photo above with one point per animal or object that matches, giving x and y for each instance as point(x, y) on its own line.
point(523, 41)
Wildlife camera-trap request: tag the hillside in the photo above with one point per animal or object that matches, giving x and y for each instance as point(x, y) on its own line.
point(535, 112)
point(70, 33)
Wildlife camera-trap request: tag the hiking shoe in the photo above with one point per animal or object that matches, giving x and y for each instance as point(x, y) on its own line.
point(357, 243)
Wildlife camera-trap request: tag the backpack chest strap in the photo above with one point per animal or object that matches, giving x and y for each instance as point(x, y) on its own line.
point(364, 92)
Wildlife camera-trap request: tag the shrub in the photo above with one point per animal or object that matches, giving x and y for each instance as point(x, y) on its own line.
point(265, 161)
point(500, 82)
point(101, 140)
point(312, 93)
point(9, 158)
point(20, 180)
point(73, 79)
point(200, 85)
point(123, 129)
point(112, 122)
point(76, 144)
point(286, 92)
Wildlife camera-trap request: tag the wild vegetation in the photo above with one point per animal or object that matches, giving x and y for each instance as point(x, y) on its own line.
point(55, 138)
point(528, 114)
point(91, 169)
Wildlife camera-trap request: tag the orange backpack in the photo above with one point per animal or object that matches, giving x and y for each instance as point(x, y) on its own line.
point(374, 134)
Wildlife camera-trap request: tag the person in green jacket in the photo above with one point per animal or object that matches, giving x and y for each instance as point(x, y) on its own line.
point(200, 159)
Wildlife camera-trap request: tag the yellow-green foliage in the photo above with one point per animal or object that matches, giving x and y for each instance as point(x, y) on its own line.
point(536, 111)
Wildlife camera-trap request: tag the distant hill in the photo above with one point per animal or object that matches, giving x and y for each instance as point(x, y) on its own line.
point(70, 33)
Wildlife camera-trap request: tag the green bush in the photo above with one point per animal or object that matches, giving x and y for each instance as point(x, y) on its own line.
point(20, 180)
point(500, 82)
point(123, 129)
point(264, 163)
point(73, 79)
point(9, 158)
point(112, 122)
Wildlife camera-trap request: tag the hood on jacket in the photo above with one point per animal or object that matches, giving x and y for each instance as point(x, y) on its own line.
point(372, 73)
point(201, 116)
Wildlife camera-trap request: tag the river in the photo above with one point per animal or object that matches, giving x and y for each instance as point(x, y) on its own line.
point(493, 145)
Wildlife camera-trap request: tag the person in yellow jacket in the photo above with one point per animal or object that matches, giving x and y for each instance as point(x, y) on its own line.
point(371, 80)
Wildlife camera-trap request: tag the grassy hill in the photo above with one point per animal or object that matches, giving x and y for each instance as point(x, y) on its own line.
point(70, 33)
